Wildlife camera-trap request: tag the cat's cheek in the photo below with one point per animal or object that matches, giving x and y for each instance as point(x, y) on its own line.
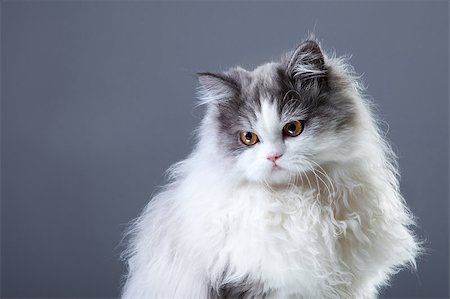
point(256, 173)
point(246, 165)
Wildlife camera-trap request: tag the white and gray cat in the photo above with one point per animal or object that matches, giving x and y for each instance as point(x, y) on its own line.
point(290, 192)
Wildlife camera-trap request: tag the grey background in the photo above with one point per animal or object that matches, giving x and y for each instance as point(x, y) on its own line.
point(98, 100)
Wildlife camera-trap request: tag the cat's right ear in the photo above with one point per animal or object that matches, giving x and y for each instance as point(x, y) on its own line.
point(215, 87)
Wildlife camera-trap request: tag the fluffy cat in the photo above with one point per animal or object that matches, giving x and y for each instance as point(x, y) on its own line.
point(290, 192)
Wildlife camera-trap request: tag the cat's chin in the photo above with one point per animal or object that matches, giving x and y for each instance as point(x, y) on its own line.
point(276, 177)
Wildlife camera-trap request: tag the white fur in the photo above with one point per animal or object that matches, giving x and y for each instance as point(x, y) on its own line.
point(337, 231)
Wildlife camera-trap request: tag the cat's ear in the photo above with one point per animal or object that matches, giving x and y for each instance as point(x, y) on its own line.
point(306, 65)
point(215, 87)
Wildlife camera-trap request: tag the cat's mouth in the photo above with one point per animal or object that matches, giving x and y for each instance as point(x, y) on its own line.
point(276, 167)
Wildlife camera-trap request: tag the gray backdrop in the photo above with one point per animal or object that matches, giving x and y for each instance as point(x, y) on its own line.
point(98, 100)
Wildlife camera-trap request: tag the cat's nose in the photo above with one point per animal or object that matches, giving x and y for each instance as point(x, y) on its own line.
point(274, 157)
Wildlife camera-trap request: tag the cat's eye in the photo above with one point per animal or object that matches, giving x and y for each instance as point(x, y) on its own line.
point(293, 128)
point(249, 138)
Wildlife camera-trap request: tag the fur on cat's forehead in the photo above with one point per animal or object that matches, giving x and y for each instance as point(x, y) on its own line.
point(266, 83)
point(261, 75)
point(302, 69)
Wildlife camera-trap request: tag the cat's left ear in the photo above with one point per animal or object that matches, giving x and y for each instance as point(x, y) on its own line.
point(306, 64)
point(215, 87)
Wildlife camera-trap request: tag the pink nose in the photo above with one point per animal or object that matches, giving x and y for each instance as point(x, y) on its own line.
point(274, 157)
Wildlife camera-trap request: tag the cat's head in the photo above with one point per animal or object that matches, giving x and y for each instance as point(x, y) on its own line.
point(281, 119)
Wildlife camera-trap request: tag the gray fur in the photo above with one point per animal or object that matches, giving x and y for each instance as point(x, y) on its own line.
point(243, 290)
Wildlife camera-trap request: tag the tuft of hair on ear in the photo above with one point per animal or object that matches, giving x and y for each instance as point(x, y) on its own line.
point(215, 87)
point(306, 65)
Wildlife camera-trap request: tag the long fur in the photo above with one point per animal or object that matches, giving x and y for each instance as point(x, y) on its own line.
point(340, 230)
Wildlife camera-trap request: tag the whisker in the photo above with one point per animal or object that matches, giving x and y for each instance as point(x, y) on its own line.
point(309, 183)
point(267, 184)
point(326, 175)
point(325, 184)
point(317, 181)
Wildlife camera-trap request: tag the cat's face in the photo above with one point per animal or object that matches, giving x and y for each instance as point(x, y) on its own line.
point(280, 119)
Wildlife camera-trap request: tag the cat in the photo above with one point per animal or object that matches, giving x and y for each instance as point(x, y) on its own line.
point(290, 192)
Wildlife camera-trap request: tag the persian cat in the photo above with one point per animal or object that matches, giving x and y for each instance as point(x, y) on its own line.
point(290, 192)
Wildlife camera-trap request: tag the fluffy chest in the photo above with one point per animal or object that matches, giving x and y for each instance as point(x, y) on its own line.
point(271, 240)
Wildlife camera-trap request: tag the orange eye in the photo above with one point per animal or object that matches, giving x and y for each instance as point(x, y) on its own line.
point(294, 128)
point(249, 138)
